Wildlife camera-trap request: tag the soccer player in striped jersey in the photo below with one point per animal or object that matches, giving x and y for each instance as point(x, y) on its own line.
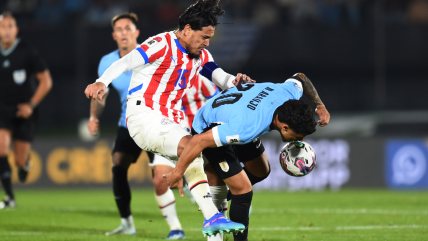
point(164, 68)
point(195, 98)
point(227, 127)
point(125, 151)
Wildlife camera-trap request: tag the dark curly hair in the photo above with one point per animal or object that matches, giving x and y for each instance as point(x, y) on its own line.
point(298, 115)
point(201, 14)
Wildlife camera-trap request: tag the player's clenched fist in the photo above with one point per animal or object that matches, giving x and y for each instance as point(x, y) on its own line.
point(323, 115)
point(95, 90)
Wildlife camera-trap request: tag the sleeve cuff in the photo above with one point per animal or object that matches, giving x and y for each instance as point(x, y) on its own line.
point(216, 137)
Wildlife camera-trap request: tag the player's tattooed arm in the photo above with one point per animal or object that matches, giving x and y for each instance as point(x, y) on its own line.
point(311, 93)
point(309, 90)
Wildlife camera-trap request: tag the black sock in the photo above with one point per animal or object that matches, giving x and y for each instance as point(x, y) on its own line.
point(5, 176)
point(239, 210)
point(121, 190)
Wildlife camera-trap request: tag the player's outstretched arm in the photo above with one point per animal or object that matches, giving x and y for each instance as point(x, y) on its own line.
point(223, 79)
point(192, 150)
point(97, 107)
point(311, 93)
point(130, 61)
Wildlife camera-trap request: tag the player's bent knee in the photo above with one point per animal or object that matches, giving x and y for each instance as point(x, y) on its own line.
point(195, 172)
point(161, 185)
point(122, 159)
point(255, 179)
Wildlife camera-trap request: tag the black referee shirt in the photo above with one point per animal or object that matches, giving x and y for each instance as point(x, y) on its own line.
point(18, 66)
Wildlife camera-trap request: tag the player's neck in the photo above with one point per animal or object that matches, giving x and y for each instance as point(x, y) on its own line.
point(6, 45)
point(125, 51)
point(179, 34)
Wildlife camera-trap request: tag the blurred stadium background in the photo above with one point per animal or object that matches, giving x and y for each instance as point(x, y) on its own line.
point(367, 58)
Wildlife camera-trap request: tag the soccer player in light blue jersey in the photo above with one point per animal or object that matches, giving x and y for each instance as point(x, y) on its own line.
point(125, 151)
point(227, 128)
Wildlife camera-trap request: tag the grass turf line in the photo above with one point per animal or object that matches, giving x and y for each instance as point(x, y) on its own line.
point(343, 215)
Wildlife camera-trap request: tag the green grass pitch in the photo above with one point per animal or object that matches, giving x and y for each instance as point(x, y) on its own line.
point(344, 215)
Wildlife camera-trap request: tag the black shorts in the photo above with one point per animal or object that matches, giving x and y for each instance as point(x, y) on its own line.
point(22, 129)
point(125, 144)
point(226, 160)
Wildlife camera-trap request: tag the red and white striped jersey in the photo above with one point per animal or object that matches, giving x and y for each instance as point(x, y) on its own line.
point(196, 96)
point(162, 74)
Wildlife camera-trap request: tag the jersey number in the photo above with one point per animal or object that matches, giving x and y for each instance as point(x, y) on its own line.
point(231, 98)
point(181, 77)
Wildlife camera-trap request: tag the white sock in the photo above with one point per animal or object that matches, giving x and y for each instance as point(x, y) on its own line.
point(198, 184)
point(219, 194)
point(127, 222)
point(166, 203)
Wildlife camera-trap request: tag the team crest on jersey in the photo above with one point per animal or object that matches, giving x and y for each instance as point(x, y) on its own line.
point(19, 76)
point(224, 166)
point(197, 62)
point(166, 121)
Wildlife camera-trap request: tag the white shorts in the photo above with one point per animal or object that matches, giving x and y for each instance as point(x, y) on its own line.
point(154, 132)
point(159, 160)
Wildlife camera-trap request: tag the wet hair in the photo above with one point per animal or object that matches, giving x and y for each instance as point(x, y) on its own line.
point(201, 14)
point(131, 16)
point(298, 115)
point(6, 14)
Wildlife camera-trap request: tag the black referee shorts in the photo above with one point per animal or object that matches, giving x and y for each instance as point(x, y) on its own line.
point(226, 160)
point(22, 129)
point(125, 144)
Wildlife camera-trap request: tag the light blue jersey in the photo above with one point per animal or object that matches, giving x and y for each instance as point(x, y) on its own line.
point(121, 84)
point(245, 112)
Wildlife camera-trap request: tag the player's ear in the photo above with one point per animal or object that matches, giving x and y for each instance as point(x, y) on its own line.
point(187, 30)
point(114, 37)
point(137, 33)
point(285, 127)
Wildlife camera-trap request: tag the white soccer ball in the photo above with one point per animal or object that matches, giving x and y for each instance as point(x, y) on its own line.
point(297, 158)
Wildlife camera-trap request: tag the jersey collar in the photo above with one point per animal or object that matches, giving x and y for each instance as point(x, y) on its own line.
point(179, 46)
point(6, 52)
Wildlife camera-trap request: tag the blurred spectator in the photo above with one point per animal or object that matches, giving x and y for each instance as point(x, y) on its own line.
point(21, 6)
point(418, 11)
point(305, 11)
point(395, 11)
point(330, 11)
point(240, 9)
point(168, 12)
point(102, 11)
point(285, 8)
point(50, 12)
point(265, 13)
point(353, 11)
point(72, 6)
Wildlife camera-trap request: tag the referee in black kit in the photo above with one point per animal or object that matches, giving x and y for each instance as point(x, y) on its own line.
point(19, 96)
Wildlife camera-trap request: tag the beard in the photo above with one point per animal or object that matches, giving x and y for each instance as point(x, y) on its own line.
point(193, 56)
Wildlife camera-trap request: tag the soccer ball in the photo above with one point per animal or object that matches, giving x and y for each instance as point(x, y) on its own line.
point(297, 158)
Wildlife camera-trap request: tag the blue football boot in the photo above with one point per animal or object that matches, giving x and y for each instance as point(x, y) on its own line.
point(176, 234)
point(220, 224)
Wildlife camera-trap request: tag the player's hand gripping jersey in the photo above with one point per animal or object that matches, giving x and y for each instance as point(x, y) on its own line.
point(162, 72)
point(244, 112)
